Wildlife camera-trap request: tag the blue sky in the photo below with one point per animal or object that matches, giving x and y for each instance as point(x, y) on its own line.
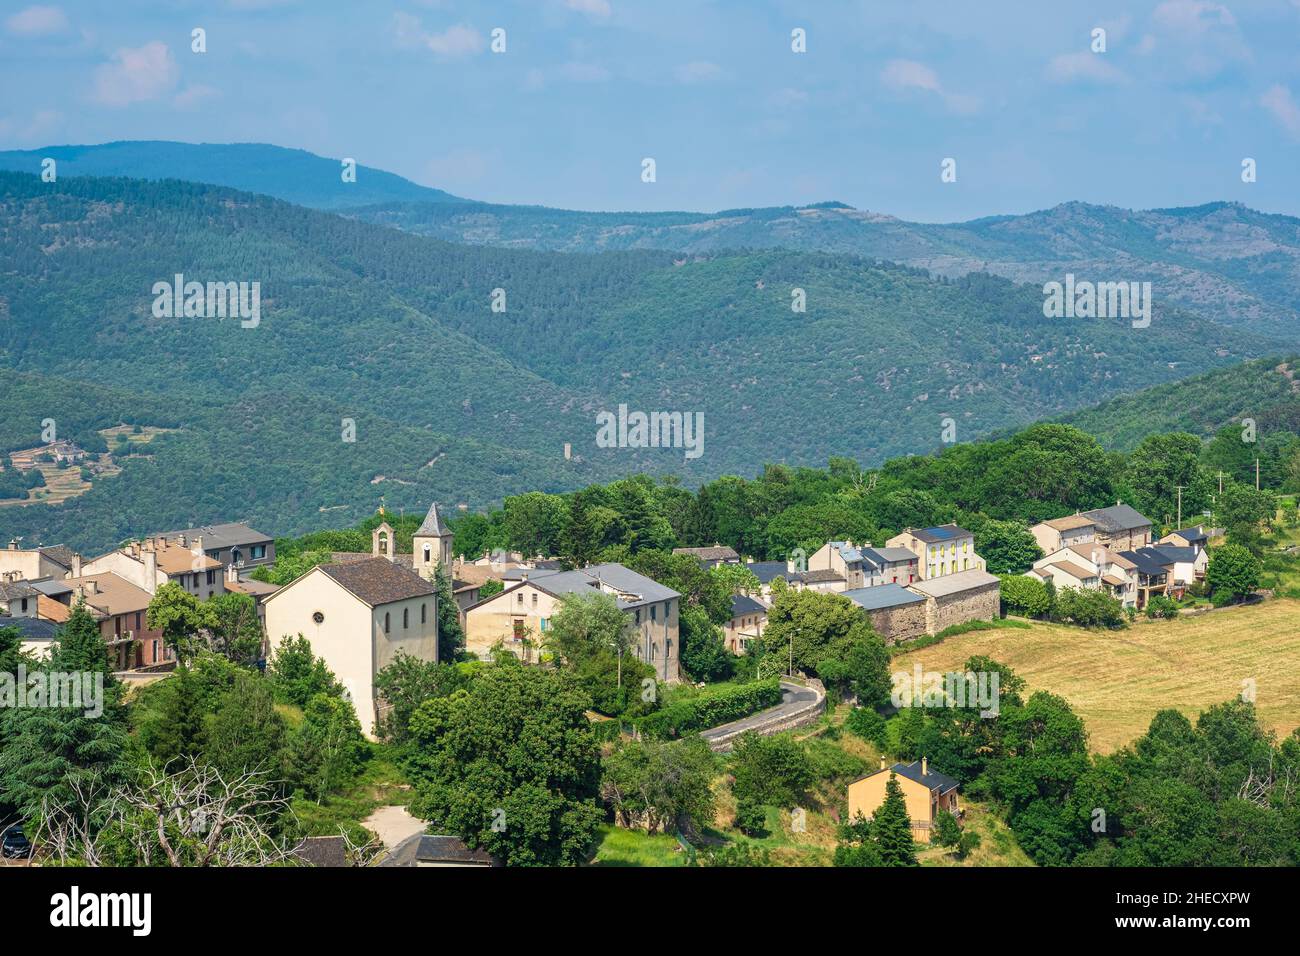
point(711, 90)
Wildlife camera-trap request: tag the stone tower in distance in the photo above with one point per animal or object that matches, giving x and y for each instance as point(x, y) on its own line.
point(431, 545)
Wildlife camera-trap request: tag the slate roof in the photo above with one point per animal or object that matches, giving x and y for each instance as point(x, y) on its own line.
point(588, 580)
point(742, 604)
point(60, 553)
point(379, 581)
point(882, 596)
point(322, 851)
point(52, 587)
point(1078, 572)
point(769, 571)
point(432, 526)
point(934, 780)
point(16, 590)
point(882, 556)
point(1146, 562)
point(954, 583)
point(1197, 533)
point(943, 532)
point(219, 536)
point(1118, 517)
point(816, 577)
point(31, 628)
point(436, 850)
point(1175, 552)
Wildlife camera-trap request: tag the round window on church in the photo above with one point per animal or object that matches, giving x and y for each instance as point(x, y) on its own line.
point(318, 617)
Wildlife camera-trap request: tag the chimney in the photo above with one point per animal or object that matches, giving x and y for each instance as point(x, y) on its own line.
point(76, 565)
point(180, 539)
point(198, 544)
point(882, 761)
point(150, 570)
point(13, 544)
point(232, 574)
point(91, 587)
point(925, 766)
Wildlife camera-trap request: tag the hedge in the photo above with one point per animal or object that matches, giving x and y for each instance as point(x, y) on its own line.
point(701, 712)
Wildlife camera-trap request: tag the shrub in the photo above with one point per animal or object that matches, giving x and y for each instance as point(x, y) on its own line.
point(1022, 594)
point(867, 724)
point(710, 708)
point(1162, 606)
point(751, 818)
point(774, 770)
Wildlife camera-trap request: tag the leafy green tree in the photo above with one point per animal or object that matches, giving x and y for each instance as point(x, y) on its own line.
point(246, 733)
point(1007, 547)
point(536, 523)
point(327, 750)
point(235, 631)
point(704, 656)
point(592, 637)
point(947, 833)
point(1243, 511)
point(181, 617)
point(660, 784)
point(857, 845)
point(510, 766)
point(296, 675)
point(774, 770)
point(1232, 573)
point(1025, 596)
point(407, 683)
point(751, 818)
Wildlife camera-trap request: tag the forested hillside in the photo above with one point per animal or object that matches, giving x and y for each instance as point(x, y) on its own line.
point(456, 402)
point(294, 175)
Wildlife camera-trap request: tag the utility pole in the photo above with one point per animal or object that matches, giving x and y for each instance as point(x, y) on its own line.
point(1220, 481)
point(1180, 504)
point(1257, 474)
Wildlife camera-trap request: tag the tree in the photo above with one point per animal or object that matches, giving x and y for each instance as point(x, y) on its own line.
point(857, 845)
point(704, 656)
point(1242, 511)
point(451, 637)
point(172, 724)
point(1007, 547)
point(1024, 595)
point(947, 833)
point(751, 818)
point(1232, 573)
point(774, 770)
point(535, 523)
point(510, 766)
point(892, 828)
point(181, 617)
point(235, 631)
point(296, 675)
point(326, 752)
point(407, 683)
point(246, 733)
point(592, 637)
point(658, 784)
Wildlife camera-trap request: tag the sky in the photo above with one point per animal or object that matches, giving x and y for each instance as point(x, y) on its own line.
point(713, 92)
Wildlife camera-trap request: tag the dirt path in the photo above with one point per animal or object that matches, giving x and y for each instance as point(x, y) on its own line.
point(392, 825)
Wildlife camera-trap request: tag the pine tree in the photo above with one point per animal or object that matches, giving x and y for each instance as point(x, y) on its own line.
point(81, 647)
point(892, 828)
point(175, 728)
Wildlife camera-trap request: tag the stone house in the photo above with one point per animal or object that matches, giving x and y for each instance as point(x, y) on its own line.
point(897, 614)
point(951, 599)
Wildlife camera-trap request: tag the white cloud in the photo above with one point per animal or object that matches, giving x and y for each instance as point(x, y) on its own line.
point(595, 8)
point(1197, 38)
point(37, 129)
point(1279, 101)
point(1083, 65)
point(37, 21)
point(455, 41)
point(697, 72)
point(904, 75)
point(136, 74)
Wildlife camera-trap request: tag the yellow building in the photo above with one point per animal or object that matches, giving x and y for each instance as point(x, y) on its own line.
point(926, 792)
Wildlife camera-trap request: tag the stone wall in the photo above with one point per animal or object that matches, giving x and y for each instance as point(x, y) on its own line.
point(975, 604)
point(902, 623)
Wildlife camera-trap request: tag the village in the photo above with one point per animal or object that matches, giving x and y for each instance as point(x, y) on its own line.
point(362, 612)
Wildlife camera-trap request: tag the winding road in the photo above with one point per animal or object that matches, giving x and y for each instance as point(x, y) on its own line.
point(796, 699)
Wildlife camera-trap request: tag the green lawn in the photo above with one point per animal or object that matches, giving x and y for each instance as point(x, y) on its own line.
point(619, 847)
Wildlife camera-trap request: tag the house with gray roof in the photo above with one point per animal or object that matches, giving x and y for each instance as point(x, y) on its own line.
point(1120, 527)
point(748, 618)
point(943, 549)
point(517, 619)
point(230, 543)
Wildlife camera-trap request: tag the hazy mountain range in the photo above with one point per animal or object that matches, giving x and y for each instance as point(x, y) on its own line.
point(393, 329)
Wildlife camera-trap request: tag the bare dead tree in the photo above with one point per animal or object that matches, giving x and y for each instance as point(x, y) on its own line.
point(361, 854)
point(193, 816)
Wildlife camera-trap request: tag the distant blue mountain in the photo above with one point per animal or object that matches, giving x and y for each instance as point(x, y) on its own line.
point(293, 175)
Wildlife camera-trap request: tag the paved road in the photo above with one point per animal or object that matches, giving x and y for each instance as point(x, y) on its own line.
point(794, 697)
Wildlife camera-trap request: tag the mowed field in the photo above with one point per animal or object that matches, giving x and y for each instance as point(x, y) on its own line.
point(1117, 680)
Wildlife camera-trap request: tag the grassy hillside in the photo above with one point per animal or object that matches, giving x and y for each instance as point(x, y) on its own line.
point(1116, 681)
point(454, 401)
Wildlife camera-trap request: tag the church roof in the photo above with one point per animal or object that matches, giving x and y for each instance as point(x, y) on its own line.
point(433, 526)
